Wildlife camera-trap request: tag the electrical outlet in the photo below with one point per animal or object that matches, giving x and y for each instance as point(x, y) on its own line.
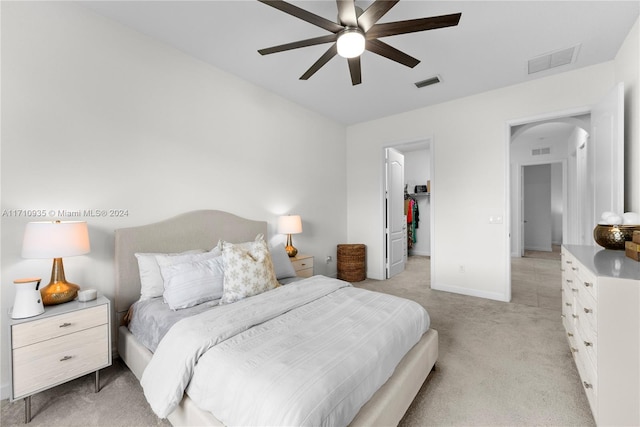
point(495, 219)
point(329, 259)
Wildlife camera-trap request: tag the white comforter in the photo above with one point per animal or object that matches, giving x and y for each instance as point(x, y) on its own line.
point(309, 353)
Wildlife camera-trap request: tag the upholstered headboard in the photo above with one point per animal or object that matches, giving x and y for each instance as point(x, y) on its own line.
point(192, 230)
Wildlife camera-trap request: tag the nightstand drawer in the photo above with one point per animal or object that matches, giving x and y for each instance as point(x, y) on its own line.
point(303, 265)
point(63, 324)
point(55, 361)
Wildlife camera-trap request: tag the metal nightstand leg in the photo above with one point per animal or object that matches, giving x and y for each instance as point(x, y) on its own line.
point(27, 409)
point(97, 385)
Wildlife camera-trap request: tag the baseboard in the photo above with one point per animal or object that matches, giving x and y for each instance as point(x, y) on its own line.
point(419, 253)
point(497, 296)
point(537, 248)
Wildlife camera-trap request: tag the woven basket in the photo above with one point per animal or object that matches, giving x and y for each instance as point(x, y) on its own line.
point(351, 263)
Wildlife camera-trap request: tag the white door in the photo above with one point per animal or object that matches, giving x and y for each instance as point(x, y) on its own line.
point(396, 226)
point(606, 155)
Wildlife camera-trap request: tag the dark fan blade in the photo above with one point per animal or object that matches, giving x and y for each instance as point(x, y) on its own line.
point(413, 25)
point(354, 69)
point(383, 49)
point(304, 15)
point(302, 43)
point(374, 12)
point(347, 12)
point(333, 51)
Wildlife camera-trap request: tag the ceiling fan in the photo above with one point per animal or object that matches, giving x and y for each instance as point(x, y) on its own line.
point(355, 31)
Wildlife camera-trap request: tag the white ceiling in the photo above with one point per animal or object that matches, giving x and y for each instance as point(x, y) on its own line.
point(487, 50)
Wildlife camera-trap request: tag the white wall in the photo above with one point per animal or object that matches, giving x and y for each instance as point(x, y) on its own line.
point(628, 72)
point(469, 178)
point(96, 116)
point(557, 203)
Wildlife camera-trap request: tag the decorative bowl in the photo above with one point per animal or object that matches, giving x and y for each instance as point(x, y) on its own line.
point(613, 236)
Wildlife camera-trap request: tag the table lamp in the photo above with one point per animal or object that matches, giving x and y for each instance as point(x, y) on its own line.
point(290, 224)
point(56, 240)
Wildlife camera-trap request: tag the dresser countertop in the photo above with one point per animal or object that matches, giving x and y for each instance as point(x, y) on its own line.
point(606, 262)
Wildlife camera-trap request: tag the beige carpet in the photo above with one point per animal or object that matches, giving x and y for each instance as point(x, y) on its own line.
point(501, 364)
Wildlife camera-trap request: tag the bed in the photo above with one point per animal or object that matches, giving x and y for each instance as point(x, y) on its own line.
point(204, 229)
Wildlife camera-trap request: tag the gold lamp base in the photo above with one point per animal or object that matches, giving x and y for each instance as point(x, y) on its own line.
point(58, 290)
point(291, 250)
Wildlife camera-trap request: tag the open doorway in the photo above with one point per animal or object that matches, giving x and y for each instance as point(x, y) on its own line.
point(543, 208)
point(543, 157)
point(413, 198)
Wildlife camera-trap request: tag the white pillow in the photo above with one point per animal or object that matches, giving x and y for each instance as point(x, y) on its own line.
point(151, 282)
point(191, 283)
point(248, 270)
point(281, 262)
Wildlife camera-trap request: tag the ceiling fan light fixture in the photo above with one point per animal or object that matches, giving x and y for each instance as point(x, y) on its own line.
point(350, 42)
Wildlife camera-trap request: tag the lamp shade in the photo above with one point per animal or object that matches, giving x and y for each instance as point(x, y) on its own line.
point(55, 239)
point(289, 224)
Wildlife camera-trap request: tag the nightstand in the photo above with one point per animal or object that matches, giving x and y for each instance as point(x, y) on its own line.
point(303, 265)
point(67, 341)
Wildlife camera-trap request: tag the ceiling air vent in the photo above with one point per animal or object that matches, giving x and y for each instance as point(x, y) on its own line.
point(553, 59)
point(540, 151)
point(428, 82)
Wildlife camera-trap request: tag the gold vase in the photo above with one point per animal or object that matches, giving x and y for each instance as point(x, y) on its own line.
point(613, 236)
point(58, 290)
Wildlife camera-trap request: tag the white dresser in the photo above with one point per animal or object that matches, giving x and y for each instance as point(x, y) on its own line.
point(601, 314)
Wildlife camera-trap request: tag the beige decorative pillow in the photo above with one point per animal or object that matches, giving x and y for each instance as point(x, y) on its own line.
point(248, 270)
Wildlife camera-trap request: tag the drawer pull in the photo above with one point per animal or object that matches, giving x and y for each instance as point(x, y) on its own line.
point(569, 334)
point(574, 268)
point(569, 262)
point(568, 304)
point(586, 384)
point(574, 350)
point(575, 316)
point(65, 324)
point(588, 310)
point(303, 264)
point(563, 316)
point(588, 344)
point(65, 358)
point(569, 281)
point(588, 284)
point(574, 289)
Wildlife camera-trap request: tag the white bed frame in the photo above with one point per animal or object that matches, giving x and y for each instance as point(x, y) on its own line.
point(203, 229)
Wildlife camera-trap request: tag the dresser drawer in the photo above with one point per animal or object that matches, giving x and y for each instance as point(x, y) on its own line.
point(588, 378)
point(586, 313)
point(32, 332)
point(55, 361)
point(587, 340)
point(584, 279)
